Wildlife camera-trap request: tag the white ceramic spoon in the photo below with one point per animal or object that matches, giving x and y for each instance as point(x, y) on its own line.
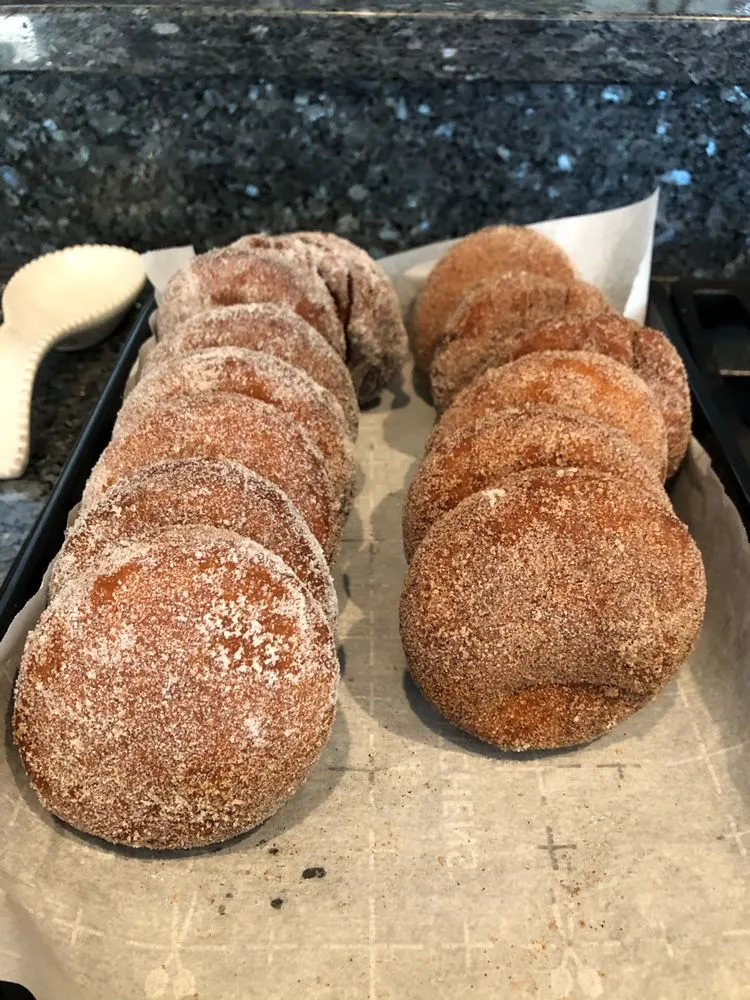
point(70, 298)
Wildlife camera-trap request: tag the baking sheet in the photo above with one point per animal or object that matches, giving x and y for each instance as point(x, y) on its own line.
point(618, 870)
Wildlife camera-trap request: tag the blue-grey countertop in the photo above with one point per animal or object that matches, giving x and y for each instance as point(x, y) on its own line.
point(625, 41)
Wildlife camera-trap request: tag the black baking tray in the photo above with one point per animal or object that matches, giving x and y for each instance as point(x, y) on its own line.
point(709, 324)
point(45, 538)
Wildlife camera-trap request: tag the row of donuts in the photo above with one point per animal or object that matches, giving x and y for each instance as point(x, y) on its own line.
point(182, 681)
point(551, 590)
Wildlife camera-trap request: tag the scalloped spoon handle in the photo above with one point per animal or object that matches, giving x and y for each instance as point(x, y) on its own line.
point(72, 296)
point(18, 363)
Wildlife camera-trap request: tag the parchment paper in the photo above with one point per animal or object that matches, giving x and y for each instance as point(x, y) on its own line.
point(619, 870)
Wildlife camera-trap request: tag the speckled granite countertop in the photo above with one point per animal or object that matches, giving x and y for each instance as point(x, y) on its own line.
point(505, 40)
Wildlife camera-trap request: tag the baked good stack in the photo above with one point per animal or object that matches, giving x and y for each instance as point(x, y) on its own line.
point(182, 681)
point(551, 590)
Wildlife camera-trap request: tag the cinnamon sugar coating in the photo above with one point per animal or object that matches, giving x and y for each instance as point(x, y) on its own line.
point(657, 362)
point(270, 327)
point(194, 491)
point(259, 376)
point(216, 425)
point(587, 383)
point(648, 352)
point(375, 332)
point(472, 458)
point(603, 333)
point(230, 276)
point(483, 254)
point(542, 613)
point(365, 299)
point(491, 315)
point(177, 693)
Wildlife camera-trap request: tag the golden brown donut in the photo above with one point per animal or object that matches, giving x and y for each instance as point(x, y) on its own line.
point(365, 298)
point(270, 327)
point(648, 352)
point(177, 693)
point(230, 276)
point(493, 313)
point(194, 491)
point(218, 425)
point(260, 376)
point(542, 613)
point(603, 333)
point(657, 362)
point(472, 458)
point(587, 383)
point(484, 254)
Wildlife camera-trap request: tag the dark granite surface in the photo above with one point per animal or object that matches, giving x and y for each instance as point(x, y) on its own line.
point(154, 161)
point(626, 41)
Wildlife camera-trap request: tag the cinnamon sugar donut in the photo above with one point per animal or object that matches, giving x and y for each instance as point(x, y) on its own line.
point(177, 693)
point(481, 255)
point(260, 376)
point(375, 331)
point(218, 425)
point(587, 383)
point(657, 362)
point(542, 613)
point(230, 276)
point(603, 333)
point(270, 327)
point(648, 352)
point(194, 491)
point(477, 333)
point(472, 458)
point(365, 298)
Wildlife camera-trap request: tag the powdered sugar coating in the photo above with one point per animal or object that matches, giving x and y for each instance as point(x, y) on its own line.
point(588, 383)
point(270, 327)
point(194, 491)
point(469, 459)
point(483, 254)
point(478, 332)
point(366, 301)
point(259, 376)
point(542, 613)
point(648, 352)
point(217, 425)
point(230, 276)
point(178, 693)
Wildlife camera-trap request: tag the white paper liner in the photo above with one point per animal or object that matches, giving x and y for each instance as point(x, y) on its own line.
point(618, 870)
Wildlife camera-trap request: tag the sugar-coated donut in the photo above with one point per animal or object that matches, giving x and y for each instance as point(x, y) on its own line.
point(375, 331)
point(603, 333)
point(588, 383)
point(230, 276)
point(365, 298)
point(195, 491)
point(492, 313)
point(481, 255)
point(260, 376)
point(648, 352)
point(217, 425)
point(482, 455)
point(176, 694)
point(542, 613)
point(265, 326)
point(657, 362)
